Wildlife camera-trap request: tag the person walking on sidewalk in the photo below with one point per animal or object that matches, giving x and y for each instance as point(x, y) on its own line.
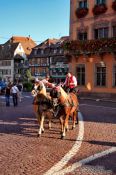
point(7, 95)
point(20, 88)
point(15, 91)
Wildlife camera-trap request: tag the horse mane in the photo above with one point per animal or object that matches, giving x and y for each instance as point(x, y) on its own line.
point(43, 91)
point(63, 93)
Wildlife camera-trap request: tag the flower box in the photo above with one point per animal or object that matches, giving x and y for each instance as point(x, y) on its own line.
point(99, 9)
point(81, 12)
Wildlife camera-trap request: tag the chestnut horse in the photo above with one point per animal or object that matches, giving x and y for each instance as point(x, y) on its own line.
point(68, 107)
point(42, 106)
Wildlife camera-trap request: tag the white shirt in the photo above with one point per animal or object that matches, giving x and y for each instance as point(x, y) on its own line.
point(75, 80)
point(14, 89)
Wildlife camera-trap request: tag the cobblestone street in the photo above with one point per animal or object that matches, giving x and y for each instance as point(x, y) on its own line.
point(21, 152)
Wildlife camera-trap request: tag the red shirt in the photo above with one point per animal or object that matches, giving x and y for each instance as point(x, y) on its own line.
point(71, 82)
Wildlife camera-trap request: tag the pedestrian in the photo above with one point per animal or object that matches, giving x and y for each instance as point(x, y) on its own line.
point(20, 88)
point(7, 94)
point(70, 83)
point(47, 83)
point(15, 91)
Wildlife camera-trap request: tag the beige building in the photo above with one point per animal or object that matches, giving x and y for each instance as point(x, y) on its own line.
point(93, 45)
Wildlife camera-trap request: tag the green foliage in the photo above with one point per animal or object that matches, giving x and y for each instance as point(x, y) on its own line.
point(28, 74)
point(27, 86)
point(91, 46)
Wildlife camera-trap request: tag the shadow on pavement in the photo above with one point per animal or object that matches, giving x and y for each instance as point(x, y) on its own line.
point(105, 143)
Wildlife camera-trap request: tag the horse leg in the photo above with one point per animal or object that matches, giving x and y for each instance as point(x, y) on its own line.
point(49, 124)
point(49, 116)
point(74, 119)
point(77, 120)
point(43, 123)
point(66, 121)
point(41, 129)
point(65, 126)
point(62, 125)
point(39, 121)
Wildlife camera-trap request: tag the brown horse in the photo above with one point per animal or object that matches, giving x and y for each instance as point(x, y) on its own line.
point(68, 107)
point(42, 106)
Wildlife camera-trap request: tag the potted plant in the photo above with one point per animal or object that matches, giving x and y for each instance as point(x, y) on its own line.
point(81, 12)
point(99, 9)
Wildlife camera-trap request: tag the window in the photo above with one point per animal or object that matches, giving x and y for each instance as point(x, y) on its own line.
point(38, 51)
point(114, 31)
point(82, 36)
point(43, 61)
point(83, 4)
point(100, 2)
point(114, 76)
point(81, 75)
point(42, 51)
point(35, 52)
point(6, 71)
point(100, 75)
point(101, 33)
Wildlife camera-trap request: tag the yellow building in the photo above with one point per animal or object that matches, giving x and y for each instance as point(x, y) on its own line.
point(93, 45)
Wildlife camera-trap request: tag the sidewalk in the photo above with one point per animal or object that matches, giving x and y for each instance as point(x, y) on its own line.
point(113, 100)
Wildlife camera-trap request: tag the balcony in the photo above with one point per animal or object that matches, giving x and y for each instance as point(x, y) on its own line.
point(114, 5)
point(99, 9)
point(81, 12)
point(90, 47)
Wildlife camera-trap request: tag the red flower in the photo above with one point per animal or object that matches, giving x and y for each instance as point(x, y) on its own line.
point(81, 12)
point(99, 9)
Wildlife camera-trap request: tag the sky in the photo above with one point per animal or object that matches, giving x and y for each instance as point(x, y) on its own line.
point(41, 19)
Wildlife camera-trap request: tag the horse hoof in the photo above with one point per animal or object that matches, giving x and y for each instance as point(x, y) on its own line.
point(61, 132)
point(38, 135)
point(62, 137)
point(77, 123)
point(67, 130)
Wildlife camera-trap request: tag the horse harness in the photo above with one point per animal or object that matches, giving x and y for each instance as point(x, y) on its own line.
point(68, 102)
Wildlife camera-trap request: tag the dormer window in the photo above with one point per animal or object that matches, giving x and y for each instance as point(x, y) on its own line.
point(83, 4)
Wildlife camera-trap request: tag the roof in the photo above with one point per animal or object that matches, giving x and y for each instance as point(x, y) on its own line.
point(26, 42)
point(46, 43)
point(7, 51)
point(50, 42)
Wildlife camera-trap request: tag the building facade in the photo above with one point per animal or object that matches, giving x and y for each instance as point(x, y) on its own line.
point(48, 58)
point(14, 57)
point(92, 45)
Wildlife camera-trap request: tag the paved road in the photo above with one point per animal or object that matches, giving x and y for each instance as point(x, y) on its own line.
point(21, 152)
